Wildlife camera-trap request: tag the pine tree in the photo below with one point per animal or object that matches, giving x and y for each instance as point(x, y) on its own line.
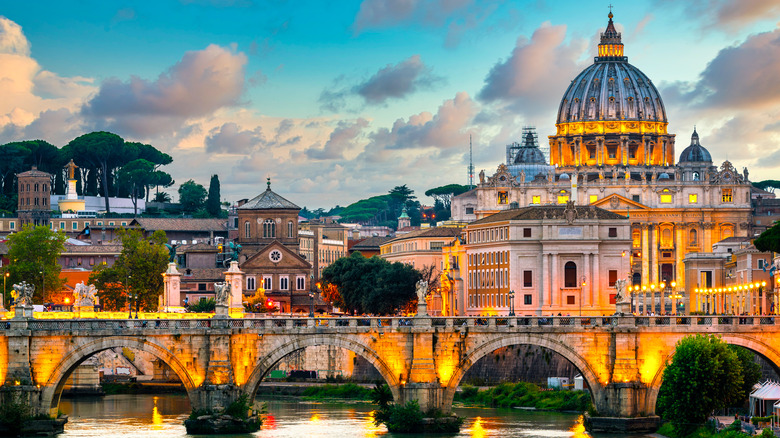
point(212, 202)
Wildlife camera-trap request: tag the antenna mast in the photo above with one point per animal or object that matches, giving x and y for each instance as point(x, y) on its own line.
point(471, 166)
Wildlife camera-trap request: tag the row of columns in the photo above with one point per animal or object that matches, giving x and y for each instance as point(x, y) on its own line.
point(746, 301)
point(601, 151)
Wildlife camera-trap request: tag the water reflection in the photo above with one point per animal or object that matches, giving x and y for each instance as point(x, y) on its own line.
point(141, 416)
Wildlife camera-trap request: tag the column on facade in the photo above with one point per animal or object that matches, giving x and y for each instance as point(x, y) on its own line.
point(544, 281)
point(588, 290)
point(555, 290)
point(624, 150)
point(577, 151)
point(597, 299)
point(600, 150)
point(679, 252)
point(653, 256)
point(645, 255)
point(707, 226)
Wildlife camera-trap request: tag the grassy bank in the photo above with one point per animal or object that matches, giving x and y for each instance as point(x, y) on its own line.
point(348, 391)
point(708, 431)
point(510, 395)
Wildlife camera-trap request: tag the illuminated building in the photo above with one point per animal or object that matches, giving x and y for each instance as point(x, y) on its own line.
point(612, 150)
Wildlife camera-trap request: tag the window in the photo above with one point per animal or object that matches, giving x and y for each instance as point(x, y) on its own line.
point(536, 199)
point(612, 232)
point(290, 229)
point(636, 237)
point(693, 198)
point(503, 197)
point(666, 238)
point(696, 176)
point(75, 225)
point(612, 151)
point(235, 223)
point(528, 280)
point(635, 198)
point(267, 283)
point(201, 287)
point(12, 225)
point(284, 283)
point(726, 197)
point(570, 274)
point(612, 277)
point(666, 199)
point(693, 237)
point(760, 264)
point(250, 283)
point(269, 228)
point(469, 210)
point(62, 225)
point(247, 229)
point(527, 299)
point(562, 199)
point(570, 300)
point(593, 198)
point(300, 283)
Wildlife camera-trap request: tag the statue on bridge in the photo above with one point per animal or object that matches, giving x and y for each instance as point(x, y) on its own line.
point(621, 296)
point(171, 252)
point(422, 291)
point(84, 295)
point(22, 294)
point(222, 291)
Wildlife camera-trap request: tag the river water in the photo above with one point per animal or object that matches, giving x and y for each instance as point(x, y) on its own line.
point(141, 416)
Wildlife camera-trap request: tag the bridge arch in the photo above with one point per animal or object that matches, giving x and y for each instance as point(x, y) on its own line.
point(540, 340)
point(292, 344)
point(50, 394)
point(751, 343)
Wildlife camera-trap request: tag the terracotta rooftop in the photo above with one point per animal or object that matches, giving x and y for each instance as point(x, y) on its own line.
point(181, 224)
point(547, 212)
point(92, 249)
point(198, 247)
point(202, 274)
point(35, 172)
point(370, 243)
point(448, 232)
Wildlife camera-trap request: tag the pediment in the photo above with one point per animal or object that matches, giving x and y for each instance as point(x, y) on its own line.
point(262, 259)
point(617, 202)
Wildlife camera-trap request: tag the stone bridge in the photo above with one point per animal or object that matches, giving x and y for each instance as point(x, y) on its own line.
point(621, 358)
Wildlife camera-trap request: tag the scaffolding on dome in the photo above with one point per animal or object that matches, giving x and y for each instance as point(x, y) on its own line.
point(529, 139)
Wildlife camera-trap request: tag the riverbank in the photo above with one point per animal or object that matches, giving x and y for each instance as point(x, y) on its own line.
point(525, 395)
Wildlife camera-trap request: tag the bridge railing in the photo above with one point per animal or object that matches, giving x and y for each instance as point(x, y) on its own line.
point(499, 323)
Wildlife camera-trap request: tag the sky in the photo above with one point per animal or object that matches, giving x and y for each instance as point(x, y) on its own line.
point(337, 101)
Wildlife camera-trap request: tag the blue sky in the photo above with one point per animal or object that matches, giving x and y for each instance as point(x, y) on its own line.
point(341, 100)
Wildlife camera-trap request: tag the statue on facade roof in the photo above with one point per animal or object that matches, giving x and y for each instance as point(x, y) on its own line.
point(171, 252)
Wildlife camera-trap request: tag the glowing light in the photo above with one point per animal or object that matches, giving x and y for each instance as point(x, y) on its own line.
point(674, 284)
point(578, 428)
point(67, 300)
point(477, 431)
point(157, 419)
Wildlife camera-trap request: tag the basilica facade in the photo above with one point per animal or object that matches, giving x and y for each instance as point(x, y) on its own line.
point(612, 150)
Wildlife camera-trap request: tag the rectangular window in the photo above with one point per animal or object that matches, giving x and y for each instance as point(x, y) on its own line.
point(635, 198)
point(250, 283)
point(62, 225)
point(760, 264)
point(300, 283)
point(612, 299)
point(571, 300)
point(12, 225)
point(666, 199)
point(612, 278)
point(469, 210)
point(75, 225)
point(693, 198)
point(562, 199)
point(612, 232)
point(201, 286)
point(536, 200)
point(527, 299)
point(267, 283)
point(284, 283)
point(726, 195)
point(526, 232)
point(110, 224)
point(593, 198)
point(528, 280)
point(503, 197)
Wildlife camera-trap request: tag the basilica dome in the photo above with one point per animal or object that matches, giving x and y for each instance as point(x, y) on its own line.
point(529, 152)
point(611, 89)
point(695, 153)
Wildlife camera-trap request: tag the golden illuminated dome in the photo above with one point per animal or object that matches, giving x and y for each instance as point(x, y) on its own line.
point(611, 88)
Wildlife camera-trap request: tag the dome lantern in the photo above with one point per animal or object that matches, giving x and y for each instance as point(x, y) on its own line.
point(611, 45)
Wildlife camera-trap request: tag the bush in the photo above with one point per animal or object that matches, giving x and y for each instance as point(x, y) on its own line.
point(509, 395)
point(203, 306)
point(14, 413)
point(349, 391)
point(404, 418)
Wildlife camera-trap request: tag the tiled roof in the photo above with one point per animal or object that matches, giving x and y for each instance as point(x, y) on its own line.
point(370, 243)
point(735, 239)
point(92, 249)
point(34, 172)
point(181, 224)
point(198, 247)
point(203, 274)
point(547, 212)
point(448, 232)
point(268, 200)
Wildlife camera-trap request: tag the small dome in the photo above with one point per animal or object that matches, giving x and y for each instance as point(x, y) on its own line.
point(564, 177)
point(663, 176)
point(695, 153)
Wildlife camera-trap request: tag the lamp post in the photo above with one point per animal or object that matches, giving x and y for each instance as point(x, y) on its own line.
point(129, 297)
point(311, 304)
point(2, 297)
point(511, 303)
point(43, 285)
point(583, 283)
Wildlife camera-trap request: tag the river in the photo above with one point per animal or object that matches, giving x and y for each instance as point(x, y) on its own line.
point(141, 416)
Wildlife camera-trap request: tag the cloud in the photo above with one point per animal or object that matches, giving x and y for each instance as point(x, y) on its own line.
point(230, 139)
point(12, 39)
point(390, 82)
point(729, 15)
point(397, 81)
point(376, 13)
point(200, 83)
point(342, 138)
point(741, 76)
point(537, 69)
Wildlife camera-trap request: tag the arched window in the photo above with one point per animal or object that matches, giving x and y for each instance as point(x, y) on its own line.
point(290, 229)
point(269, 228)
point(246, 229)
point(44, 188)
point(570, 274)
point(36, 187)
point(693, 237)
point(28, 187)
point(696, 176)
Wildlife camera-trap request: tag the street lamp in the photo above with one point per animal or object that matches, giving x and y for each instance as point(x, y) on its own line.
point(129, 297)
point(583, 283)
point(511, 303)
point(2, 297)
point(311, 304)
point(43, 285)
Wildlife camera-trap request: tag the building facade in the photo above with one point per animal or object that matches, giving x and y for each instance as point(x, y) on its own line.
point(321, 243)
point(612, 150)
point(34, 192)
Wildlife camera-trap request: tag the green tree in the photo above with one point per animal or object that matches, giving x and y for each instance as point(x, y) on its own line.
point(212, 202)
point(769, 185)
point(138, 270)
point(33, 253)
point(138, 175)
point(704, 375)
point(371, 285)
point(751, 372)
point(444, 194)
point(191, 196)
point(100, 152)
point(769, 240)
